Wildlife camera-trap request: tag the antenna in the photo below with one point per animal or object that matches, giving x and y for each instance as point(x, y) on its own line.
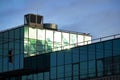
point(37, 11)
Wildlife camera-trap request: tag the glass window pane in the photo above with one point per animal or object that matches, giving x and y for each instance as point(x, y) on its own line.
point(87, 39)
point(40, 76)
point(49, 40)
point(30, 77)
point(32, 33)
point(16, 61)
point(60, 58)
point(75, 69)
point(83, 53)
point(5, 37)
point(116, 48)
point(32, 46)
point(40, 41)
point(68, 70)
point(73, 40)
point(116, 64)
point(53, 73)
point(83, 69)
point(41, 35)
point(57, 40)
point(17, 33)
point(99, 50)
point(53, 59)
point(108, 66)
point(60, 72)
point(100, 67)
point(68, 56)
point(80, 39)
point(91, 68)
point(108, 48)
point(91, 51)
point(75, 53)
point(5, 64)
point(46, 76)
point(22, 33)
point(65, 40)
point(26, 32)
point(1, 62)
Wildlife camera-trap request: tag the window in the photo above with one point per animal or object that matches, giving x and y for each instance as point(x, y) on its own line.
point(91, 68)
point(91, 52)
point(68, 58)
point(99, 50)
point(83, 70)
point(108, 48)
point(116, 48)
point(83, 53)
point(60, 58)
point(75, 53)
point(53, 59)
point(33, 18)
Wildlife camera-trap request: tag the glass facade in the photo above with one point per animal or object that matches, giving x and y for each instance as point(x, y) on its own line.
point(11, 49)
point(84, 62)
point(28, 53)
point(38, 41)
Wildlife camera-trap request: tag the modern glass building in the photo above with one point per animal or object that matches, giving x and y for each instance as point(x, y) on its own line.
point(39, 51)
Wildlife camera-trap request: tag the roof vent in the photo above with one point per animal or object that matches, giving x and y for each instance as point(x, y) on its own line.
point(50, 26)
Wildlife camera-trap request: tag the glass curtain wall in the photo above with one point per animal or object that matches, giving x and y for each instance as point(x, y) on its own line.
point(84, 62)
point(11, 49)
point(37, 41)
point(80, 63)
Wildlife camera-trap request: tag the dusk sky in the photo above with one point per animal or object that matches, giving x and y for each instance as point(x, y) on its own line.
point(97, 17)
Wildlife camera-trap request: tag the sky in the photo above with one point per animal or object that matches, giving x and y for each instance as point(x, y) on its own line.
point(98, 17)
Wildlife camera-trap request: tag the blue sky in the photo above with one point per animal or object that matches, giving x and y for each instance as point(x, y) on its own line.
point(97, 17)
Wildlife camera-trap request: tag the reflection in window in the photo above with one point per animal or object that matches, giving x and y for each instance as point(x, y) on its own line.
point(26, 32)
point(65, 40)
point(32, 33)
point(57, 40)
point(73, 40)
point(49, 40)
point(41, 41)
point(41, 34)
point(87, 39)
point(80, 39)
